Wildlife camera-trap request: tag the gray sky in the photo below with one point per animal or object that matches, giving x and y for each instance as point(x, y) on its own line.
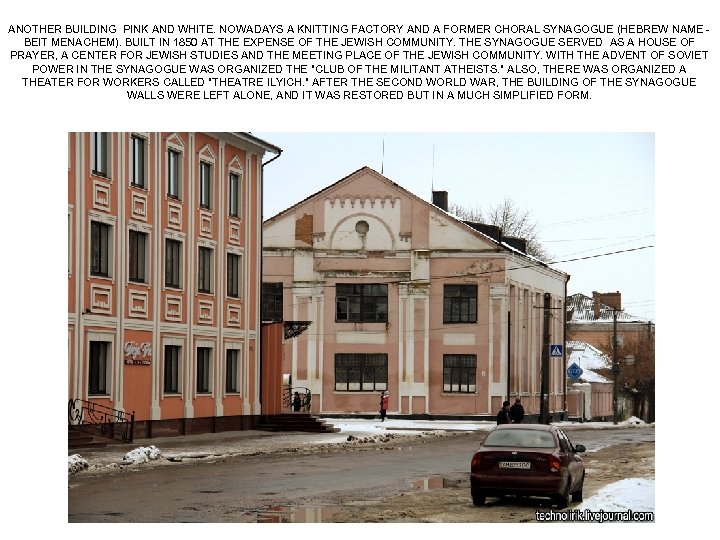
point(591, 194)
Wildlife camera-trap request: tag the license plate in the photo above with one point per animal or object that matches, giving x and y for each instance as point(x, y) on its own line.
point(514, 464)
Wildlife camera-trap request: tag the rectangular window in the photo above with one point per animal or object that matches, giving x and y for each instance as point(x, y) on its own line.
point(173, 174)
point(138, 242)
point(460, 304)
point(361, 303)
point(234, 272)
point(205, 176)
point(99, 249)
point(459, 373)
point(137, 174)
point(98, 369)
point(101, 154)
point(272, 302)
point(234, 195)
point(204, 269)
point(231, 371)
point(361, 372)
point(173, 261)
point(203, 370)
point(171, 376)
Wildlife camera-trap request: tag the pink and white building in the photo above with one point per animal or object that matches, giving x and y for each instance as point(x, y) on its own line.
point(402, 296)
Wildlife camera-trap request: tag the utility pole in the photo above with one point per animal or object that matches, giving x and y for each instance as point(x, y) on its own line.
point(545, 365)
point(612, 300)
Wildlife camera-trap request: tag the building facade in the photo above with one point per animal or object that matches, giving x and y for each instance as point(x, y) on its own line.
point(403, 297)
point(164, 238)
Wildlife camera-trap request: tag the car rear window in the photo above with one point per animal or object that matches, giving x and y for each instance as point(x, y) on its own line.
point(524, 438)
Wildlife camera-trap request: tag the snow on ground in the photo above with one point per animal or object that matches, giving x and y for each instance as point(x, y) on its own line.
point(636, 494)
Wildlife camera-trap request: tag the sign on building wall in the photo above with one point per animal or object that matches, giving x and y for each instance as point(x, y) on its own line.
point(138, 353)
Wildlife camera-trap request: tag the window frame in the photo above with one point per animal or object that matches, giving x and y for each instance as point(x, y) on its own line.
point(459, 375)
point(205, 185)
point(173, 376)
point(353, 372)
point(176, 266)
point(98, 368)
point(232, 371)
point(271, 302)
point(174, 174)
point(234, 194)
point(135, 167)
point(234, 275)
point(203, 370)
point(460, 308)
point(100, 265)
point(137, 257)
point(205, 269)
point(100, 159)
point(359, 303)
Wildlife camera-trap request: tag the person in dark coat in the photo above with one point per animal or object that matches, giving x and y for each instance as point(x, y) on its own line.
point(296, 402)
point(502, 416)
point(517, 412)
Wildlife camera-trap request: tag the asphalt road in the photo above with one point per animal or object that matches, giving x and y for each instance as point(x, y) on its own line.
point(244, 489)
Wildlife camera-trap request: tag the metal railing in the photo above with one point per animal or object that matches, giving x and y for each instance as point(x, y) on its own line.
point(304, 398)
point(99, 420)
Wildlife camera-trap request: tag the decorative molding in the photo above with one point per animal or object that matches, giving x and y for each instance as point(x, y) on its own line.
point(101, 195)
point(206, 223)
point(233, 314)
point(205, 312)
point(139, 206)
point(100, 298)
point(173, 308)
point(234, 232)
point(174, 215)
point(458, 338)
point(138, 304)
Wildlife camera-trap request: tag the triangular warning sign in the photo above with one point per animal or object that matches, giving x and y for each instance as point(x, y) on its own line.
point(555, 351)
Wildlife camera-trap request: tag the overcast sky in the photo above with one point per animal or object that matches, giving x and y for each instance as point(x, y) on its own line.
point(591, 194)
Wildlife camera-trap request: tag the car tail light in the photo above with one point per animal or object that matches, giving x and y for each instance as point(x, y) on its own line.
point(476, 460)
point(554, 463)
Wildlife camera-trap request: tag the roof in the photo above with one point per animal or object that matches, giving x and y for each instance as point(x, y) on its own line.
point(581, 309)
point(589, 359)
point(460, 223)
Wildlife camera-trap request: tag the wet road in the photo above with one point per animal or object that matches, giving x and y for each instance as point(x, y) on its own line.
point(242, 489)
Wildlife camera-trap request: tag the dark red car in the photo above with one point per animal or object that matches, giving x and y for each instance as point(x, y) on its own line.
point(527, 459)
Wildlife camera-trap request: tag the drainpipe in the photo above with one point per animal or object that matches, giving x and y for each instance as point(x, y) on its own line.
point(259, 342)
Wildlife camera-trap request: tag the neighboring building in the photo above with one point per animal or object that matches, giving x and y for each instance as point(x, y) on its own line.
point(590, 397)
point(402, 296)
point(591, 321)
point(164, 234)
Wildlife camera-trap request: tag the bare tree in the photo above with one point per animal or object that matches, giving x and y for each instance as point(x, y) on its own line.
point(511, 220)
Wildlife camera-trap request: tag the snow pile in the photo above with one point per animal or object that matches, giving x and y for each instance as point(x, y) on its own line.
point(76, 463)
point(142, 454)
point(633, 421)
point(636, 494)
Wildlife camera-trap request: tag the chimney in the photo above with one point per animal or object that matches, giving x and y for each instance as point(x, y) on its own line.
point(440, 199)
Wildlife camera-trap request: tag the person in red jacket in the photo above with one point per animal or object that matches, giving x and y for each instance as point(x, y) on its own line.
point(383, 405)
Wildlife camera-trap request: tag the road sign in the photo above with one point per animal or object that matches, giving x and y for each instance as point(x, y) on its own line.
point(574, 371)
point(556, 350)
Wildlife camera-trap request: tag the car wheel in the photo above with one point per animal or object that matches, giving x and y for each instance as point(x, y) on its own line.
point(562, 499)
point(478, 497)
point(578, 495)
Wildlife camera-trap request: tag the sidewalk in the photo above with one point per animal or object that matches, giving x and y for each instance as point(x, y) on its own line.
point(209, 446)
point(252, 442)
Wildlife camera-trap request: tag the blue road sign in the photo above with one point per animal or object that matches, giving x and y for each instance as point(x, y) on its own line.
point(574, 371)
point(556, 350)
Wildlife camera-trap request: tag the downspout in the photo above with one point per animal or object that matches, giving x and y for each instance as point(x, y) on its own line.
point(259, 342)
point(564, 341)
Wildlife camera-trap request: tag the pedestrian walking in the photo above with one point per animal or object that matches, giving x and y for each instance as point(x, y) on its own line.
point(502, 415)
point(517, 412)
point(384, 404)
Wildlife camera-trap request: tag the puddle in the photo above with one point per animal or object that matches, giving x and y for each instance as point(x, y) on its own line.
point(432, 483)
point(295, 514)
